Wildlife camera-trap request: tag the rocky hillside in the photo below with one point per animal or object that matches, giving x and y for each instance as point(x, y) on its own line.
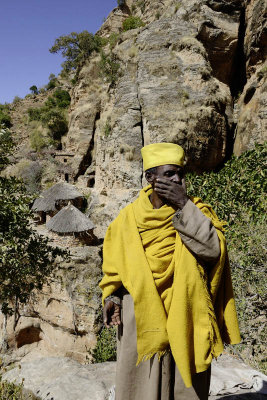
point(193, 73)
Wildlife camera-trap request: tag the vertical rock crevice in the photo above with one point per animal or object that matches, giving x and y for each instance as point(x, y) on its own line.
point(238, 80)
point(87, 158)
point(141, 126)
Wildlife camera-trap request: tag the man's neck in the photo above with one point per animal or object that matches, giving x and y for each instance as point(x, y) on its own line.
point(156, 200)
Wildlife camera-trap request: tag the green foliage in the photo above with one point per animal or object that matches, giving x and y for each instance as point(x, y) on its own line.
point(132, 23)
point(9, 391)
point(109, 67)
point(37, 140)
point(56, 122)
point(26, 259)
point(239, 185)
point(105, 349)
point(76, 48)
point(113, 39)
point(62, 98)
point(52, 116)
point(52, 82)
point(34, 114)
point(5, 119)
point(16, 100)
point(238, 195)
point(34, 89)
point(107, 128)
point(6, 147)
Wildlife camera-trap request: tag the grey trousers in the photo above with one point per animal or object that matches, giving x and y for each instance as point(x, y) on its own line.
point(152, 379)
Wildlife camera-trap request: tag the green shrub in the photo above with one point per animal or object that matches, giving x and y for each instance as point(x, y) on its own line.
point(9, 391)
point(37, 140)
point(107, 128)
point(105, 349)
point(113, 39)
point(132, 23)
point(238, 195)
point(56, 122)
point(62, 98)
point(16, 100)
point(109, 67)
point(6, 147)
point(5, 120)
point(240, 185)
point(52, 82)
point(34, 113)
point(52, 116)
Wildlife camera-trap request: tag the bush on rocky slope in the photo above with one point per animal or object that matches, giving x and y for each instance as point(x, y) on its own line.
point(51, 116)
point(237, 194)
point(26, 259)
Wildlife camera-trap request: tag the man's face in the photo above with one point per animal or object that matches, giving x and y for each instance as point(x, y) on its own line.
point(173, 173)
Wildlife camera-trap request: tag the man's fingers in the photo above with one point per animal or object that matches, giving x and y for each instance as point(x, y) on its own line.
point(164, 182)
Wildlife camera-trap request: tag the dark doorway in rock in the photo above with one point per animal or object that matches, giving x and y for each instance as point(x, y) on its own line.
point(67, 177)
point(28, 336)
point(91, 182)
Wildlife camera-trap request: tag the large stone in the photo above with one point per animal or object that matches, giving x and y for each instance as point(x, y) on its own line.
point(58, 378)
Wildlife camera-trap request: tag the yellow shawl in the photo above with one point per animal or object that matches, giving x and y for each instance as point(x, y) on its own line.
point(177, 305)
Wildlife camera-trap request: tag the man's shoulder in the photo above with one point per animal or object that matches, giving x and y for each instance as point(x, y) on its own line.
point(123, 213)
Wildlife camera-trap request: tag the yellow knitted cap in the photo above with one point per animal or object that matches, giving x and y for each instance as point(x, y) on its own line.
point(157, 154)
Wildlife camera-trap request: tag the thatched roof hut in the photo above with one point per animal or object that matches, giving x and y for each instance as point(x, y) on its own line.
point(70, 220)
point(59, 192)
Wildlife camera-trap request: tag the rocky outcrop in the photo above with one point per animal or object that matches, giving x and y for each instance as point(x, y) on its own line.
point(61, 319)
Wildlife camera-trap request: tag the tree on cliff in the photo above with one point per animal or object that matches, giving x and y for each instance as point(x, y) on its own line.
point(26, 259)
point(76, 48)
point(34, 89)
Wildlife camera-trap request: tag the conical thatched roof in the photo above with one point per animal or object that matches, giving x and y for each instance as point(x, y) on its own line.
point(60, 191)
point(69, 220)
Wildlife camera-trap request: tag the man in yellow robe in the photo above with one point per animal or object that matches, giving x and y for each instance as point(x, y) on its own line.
point(167, 285)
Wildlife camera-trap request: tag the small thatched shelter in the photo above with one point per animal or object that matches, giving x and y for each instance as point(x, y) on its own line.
point(70, 220)
point(56, 197)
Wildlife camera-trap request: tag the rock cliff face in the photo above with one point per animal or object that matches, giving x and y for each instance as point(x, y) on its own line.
point(194, 74)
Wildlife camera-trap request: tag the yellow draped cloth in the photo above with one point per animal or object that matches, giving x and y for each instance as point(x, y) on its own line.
point(177, 304)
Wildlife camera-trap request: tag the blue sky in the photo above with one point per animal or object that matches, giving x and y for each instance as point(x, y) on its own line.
point(28, 28)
